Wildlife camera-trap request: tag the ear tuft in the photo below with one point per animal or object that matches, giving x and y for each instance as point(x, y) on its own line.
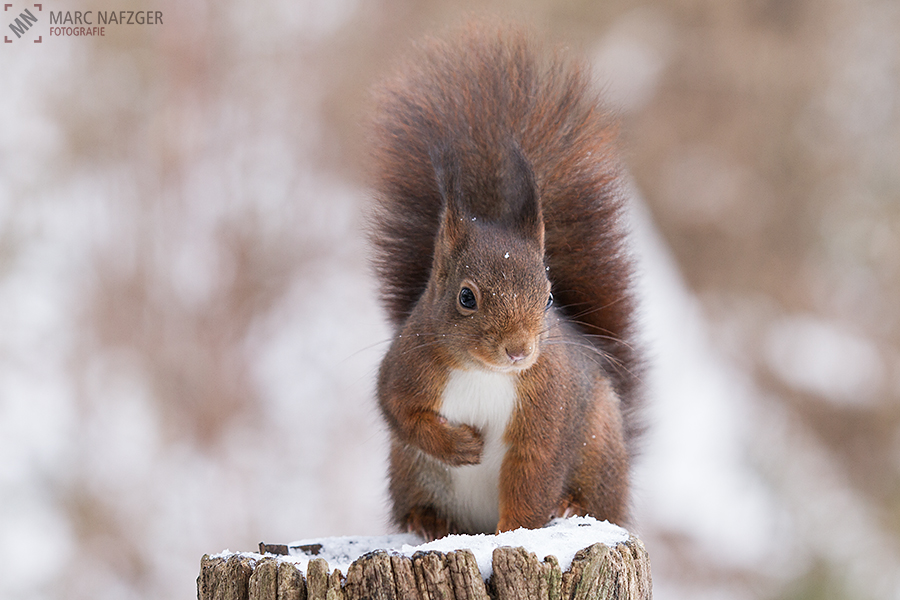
point(448, 176)
point(521, 193)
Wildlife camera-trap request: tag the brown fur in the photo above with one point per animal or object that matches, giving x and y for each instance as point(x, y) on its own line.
point(495, 170)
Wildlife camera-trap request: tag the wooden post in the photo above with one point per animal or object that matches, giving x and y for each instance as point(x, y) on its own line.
point(598, 572)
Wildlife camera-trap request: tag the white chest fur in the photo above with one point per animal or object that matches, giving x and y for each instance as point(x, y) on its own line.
point(484, 400)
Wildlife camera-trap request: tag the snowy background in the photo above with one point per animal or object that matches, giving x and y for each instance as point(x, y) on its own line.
point(189, 332)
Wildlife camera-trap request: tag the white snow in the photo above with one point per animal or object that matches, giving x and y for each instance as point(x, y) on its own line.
point(822, 358)
point(692, 476)
point(562, 538)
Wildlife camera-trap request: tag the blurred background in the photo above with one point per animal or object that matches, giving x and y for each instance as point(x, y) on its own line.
point(189, 332)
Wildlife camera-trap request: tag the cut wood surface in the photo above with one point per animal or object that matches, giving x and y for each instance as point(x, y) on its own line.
point(599, 571)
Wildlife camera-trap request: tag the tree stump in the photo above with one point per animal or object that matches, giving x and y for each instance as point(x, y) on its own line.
point(599, 571)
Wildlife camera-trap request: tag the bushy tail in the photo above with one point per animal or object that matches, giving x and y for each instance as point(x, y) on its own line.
point(487, 85)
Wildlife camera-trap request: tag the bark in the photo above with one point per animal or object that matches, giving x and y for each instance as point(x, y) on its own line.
point(598, 572)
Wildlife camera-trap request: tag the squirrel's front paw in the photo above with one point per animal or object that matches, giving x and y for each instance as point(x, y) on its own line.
point(467, 447)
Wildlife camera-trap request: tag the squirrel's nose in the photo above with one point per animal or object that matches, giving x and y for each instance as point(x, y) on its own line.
point(518, 353)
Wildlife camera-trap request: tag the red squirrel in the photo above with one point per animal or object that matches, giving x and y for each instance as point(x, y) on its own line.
point(511, 386)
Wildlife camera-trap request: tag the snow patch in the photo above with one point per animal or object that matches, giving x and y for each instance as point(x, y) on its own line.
point(562, 538)
point(825, 359)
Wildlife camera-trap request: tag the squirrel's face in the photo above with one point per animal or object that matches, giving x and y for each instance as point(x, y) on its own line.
point(495, 300)
point(488, 278)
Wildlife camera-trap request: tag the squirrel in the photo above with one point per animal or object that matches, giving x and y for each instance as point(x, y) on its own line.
point(511, 387)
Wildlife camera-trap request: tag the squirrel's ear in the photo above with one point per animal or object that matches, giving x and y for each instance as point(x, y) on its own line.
point(448, 175)
point(520, 191)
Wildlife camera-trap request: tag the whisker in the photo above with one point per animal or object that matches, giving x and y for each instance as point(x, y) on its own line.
point(367, 348)
point(590, 348)
point(602, 336)
point(594, 309)
point(435, 339)
point(606, 335)
point(595, 353)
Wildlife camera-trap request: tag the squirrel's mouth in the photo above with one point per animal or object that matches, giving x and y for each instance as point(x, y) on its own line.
point(509, 359)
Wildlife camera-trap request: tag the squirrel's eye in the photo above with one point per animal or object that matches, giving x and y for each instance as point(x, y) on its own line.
point(467, 299)
point(549, 301)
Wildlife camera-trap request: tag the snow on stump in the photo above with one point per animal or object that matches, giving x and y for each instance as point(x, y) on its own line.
point(584, 559)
